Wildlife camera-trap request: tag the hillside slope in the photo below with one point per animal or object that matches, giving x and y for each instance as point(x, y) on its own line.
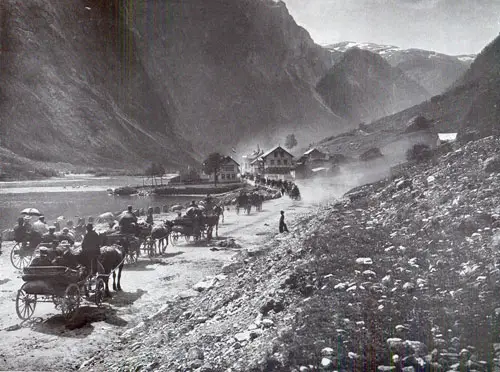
point(363, 87)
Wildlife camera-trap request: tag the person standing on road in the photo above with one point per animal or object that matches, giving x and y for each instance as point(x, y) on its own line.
point(91, 249)
point(283, 227)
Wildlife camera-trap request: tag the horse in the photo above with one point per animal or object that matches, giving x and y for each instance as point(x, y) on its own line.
point(211, 221)
point(160, 235)
point(112, 258)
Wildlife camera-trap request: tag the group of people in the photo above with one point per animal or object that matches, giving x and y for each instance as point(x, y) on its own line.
point(31, 235)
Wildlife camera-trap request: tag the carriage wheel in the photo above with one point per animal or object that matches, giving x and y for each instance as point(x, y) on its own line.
point(100, 291)
point(71, 301)
point(19, 258)
point(25, 304)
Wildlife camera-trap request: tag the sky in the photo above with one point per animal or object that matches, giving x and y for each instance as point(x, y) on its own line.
point(447, 26)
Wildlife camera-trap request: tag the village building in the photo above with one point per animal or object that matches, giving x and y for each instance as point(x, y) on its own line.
point(275, 164)
point(247, 160)
point(446, 138)
point(229, 171)
point(313, 163)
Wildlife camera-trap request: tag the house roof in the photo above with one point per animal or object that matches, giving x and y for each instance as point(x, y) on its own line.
point(266, 154)
point(228, 159)
point(311, 150)
point(447, 136)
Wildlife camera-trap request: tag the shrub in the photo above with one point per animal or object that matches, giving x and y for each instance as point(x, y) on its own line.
point(419, 152)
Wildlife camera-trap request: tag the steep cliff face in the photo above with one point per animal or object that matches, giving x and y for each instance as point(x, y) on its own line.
point(238, 71)
point(127, 82)
point(362, 87)
point(73, 88)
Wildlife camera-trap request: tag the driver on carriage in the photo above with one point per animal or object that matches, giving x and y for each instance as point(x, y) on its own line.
point(128, 222)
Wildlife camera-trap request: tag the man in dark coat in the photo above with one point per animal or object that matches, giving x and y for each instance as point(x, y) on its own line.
point(283, 227)
point(91, 249)
point(20, 231)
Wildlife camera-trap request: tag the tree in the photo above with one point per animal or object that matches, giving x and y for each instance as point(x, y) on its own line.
point(290, 141)
point(212, 165)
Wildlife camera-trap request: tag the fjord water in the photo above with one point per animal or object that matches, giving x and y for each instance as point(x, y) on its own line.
point(71, 196)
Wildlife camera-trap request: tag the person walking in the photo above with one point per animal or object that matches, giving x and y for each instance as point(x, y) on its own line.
point(283, 227)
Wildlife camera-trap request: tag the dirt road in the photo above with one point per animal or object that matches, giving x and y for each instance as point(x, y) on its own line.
point(44, 343)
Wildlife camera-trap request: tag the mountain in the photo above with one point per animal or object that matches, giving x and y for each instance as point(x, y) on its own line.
point(470, 107)
point(362, 87)
point(120, 83)
point(436, 72)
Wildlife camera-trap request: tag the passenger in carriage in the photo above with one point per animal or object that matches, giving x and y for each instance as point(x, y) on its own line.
point(64, 256)
point(50, 239)
point(43, 259)
point(66, 235)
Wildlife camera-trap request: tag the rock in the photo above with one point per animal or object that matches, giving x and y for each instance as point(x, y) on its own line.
point(194, 364)
point(364, 261)
point(267, 323)
point(204, 285)
point(243, 336)
point(326, 363)
point(327, 351)
point(195, 353)
point(492, 164)
point(369, 273)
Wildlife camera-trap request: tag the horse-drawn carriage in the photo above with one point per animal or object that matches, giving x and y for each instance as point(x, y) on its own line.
point(197, 224)
point(61, 285)
point(132, 242)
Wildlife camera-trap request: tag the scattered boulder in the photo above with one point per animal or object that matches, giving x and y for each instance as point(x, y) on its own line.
point(492, 164)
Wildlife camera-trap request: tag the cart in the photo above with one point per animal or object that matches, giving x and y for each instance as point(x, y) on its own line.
point(66, 288)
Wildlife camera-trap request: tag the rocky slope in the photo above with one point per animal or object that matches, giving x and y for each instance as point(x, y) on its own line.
point(366, 283)
point(117, 82)
point(436, 72)
point(362, 87)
